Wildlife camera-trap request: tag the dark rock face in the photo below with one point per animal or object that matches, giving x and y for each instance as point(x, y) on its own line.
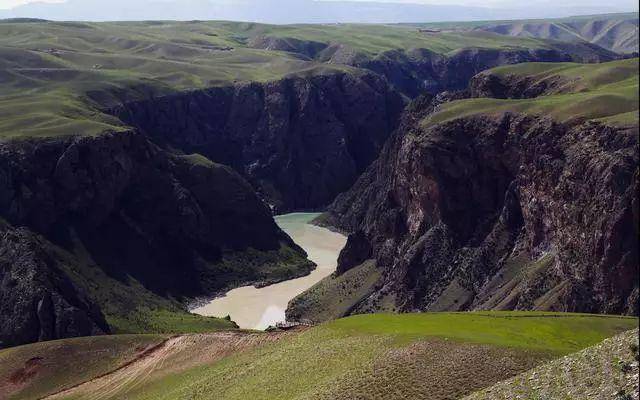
point(88, 182)
point(356, 251)
point(512, 212)
point(37, 300)
point(515, 87)
point(125, 206)
point(300, 142)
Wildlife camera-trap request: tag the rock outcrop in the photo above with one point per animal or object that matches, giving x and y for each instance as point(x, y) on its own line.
point(38, 301)
point(507, 212)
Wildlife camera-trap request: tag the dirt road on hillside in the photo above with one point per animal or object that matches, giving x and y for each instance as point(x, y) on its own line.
point(175, 354)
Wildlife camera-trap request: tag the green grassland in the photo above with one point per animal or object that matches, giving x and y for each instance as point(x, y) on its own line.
point(38, 369)
point(373, 39)
point(582, 76)
point(386, 356)
point(607, 92)
point(381, 356)
point(56, 78)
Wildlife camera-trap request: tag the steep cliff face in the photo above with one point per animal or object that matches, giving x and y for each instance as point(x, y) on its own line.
point(38, 301)
point(299, 141)
point(516, 87)
point(506, 212)
point(123, 208)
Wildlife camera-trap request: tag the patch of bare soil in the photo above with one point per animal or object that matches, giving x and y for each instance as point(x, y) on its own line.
point(606, 371)
point(434, 370)
point(173, 355)
point(28, 371)
point(20, 377)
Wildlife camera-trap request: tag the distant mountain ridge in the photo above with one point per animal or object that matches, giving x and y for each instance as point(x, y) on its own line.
point(617, 32)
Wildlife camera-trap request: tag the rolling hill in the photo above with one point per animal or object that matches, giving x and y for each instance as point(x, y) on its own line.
point(70, 73)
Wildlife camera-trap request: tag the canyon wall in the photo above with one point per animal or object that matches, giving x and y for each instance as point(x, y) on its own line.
point(505, 212)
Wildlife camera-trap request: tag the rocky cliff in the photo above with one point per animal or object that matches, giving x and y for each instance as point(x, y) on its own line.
point(38, 301)
point(299, 141)
point(497, 212)
point(108, 219)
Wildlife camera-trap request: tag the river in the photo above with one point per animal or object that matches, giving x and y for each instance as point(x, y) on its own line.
point(258, 308)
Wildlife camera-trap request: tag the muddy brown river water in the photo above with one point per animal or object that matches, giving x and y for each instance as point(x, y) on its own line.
point(253, 308)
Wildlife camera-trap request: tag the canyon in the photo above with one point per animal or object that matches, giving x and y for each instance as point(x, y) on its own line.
point(145, 172)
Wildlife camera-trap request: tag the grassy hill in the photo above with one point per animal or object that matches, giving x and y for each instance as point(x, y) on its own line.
point(429, 356)
point(606, 92)
point(56, 78)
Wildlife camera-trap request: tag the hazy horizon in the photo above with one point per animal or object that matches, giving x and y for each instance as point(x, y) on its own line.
point(305, 11)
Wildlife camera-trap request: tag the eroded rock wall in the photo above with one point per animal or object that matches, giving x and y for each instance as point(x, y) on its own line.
point(513, 212)
point(299, 141)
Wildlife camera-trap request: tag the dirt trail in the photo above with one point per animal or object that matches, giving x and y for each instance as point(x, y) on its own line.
point(175, 354)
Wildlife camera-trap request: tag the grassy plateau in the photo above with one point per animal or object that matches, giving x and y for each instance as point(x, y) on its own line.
point(606, 92)
point(57, 78)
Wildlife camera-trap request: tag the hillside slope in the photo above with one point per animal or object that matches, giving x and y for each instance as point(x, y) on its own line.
point(607, 370)
point(428, 356)
point(490, 203)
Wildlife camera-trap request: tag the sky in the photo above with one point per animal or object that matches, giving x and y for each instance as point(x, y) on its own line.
point(308, 11)
point(622, 4)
